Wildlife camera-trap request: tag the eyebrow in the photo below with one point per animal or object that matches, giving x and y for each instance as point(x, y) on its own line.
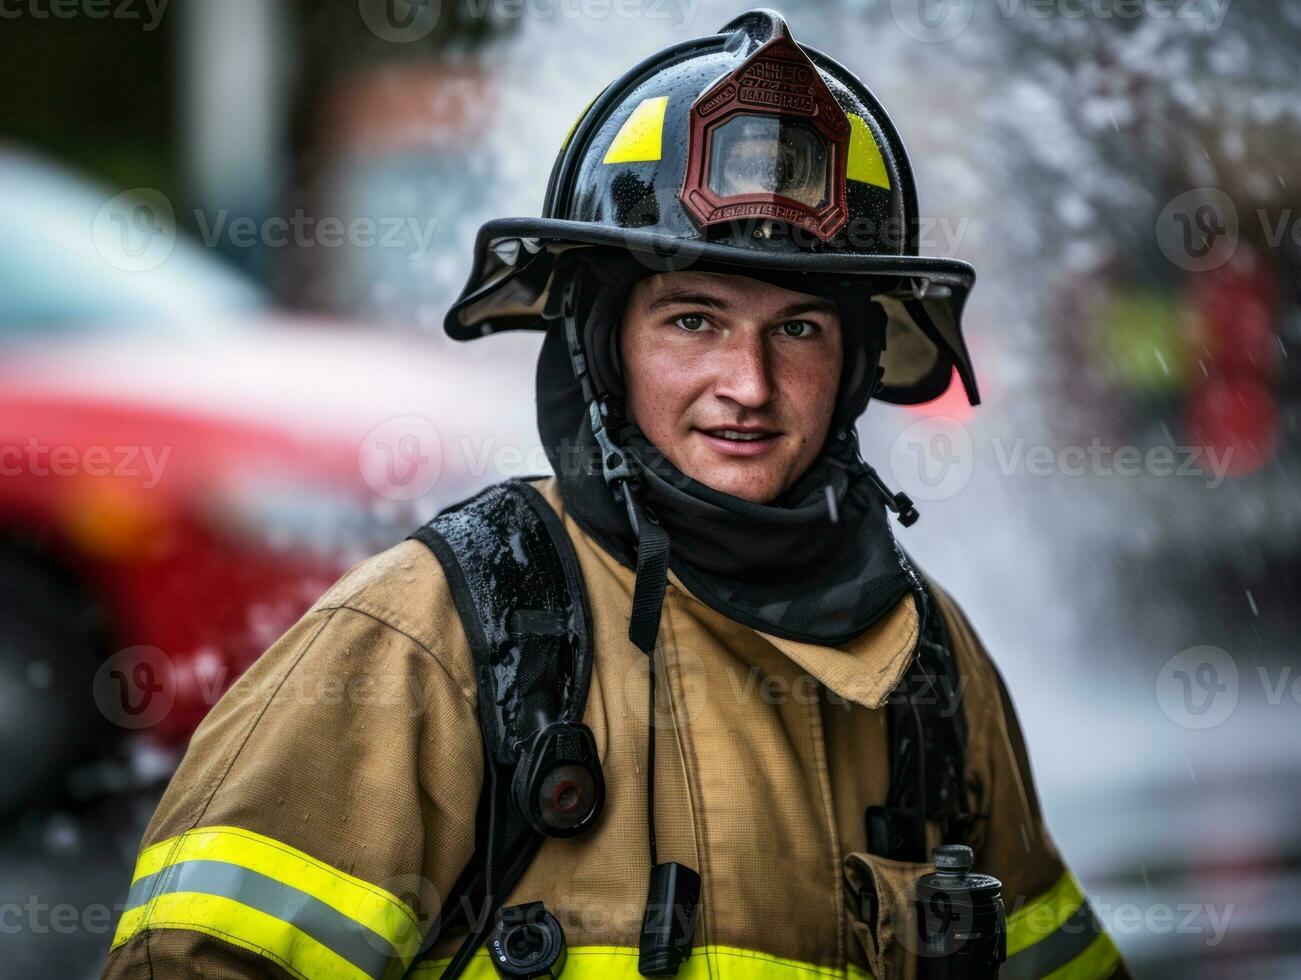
point(686, 297)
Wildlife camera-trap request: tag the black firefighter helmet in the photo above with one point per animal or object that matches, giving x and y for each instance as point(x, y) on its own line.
point(740, 151)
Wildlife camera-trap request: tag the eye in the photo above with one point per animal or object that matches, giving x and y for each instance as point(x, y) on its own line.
point(799, 329)
point(691, 322)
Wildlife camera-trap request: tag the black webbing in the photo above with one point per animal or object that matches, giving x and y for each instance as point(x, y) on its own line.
point(652, 579)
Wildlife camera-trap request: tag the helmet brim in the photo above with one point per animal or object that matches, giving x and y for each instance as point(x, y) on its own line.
point(509, 288)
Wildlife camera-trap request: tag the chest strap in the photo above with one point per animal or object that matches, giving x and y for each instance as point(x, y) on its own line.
point(517, 588)
point(928, 747)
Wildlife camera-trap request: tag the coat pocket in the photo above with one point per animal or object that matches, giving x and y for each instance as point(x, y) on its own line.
point(884, 916)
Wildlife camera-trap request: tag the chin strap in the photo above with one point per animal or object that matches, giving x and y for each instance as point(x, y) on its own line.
point(652, 539)
point(899, 503)
point(652, 573)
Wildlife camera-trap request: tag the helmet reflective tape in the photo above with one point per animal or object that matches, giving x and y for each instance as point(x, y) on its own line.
point(577, 119)
point(865, 163)
point(641, 138)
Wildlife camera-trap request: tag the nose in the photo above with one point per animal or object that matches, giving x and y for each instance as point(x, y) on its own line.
point(744, 371)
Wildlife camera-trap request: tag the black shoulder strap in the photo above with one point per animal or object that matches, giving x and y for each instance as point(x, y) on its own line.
point(928, 746)
point(519, 593)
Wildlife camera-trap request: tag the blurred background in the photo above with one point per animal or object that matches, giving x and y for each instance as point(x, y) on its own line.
point(229, 230)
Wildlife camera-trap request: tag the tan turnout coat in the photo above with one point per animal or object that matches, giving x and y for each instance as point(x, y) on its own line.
point(328, 800)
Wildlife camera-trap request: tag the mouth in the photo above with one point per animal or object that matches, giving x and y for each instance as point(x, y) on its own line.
point(740, 440)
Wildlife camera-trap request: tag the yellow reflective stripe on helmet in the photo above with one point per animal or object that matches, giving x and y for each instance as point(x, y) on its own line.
point(577, 119)
point(1057, 935)
point(641, 138)
point(616, 962)
point(865, 163)
point(265, 895)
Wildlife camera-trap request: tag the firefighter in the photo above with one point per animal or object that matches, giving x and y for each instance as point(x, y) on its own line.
point(684, 707)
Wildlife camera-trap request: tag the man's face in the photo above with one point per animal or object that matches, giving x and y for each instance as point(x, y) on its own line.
point(733, 379)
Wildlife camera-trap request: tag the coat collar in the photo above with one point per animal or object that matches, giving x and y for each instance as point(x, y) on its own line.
point(867, 668)
point(864, 670)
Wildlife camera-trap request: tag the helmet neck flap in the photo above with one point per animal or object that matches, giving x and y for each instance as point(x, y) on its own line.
point(819, 564)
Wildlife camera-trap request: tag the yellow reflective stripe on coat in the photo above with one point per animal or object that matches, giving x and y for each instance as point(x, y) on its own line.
point(1058, 936)
point(617, 962)
point(260, 894)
